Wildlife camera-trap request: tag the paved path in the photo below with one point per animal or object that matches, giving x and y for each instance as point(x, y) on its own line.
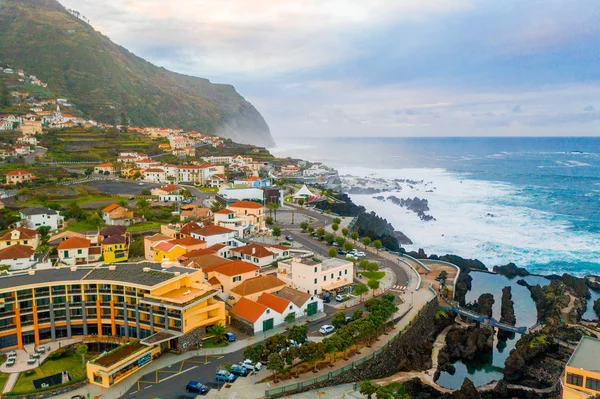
point(10, 382)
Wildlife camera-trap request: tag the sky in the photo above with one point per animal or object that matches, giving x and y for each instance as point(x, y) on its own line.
point(318, 68)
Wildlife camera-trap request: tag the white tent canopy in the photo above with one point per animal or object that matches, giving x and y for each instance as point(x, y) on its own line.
point(304, 192)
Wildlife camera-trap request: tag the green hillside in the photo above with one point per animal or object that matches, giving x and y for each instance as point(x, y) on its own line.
point(105, 80)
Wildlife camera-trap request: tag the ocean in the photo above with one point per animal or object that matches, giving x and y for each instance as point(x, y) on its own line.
point(531, 201)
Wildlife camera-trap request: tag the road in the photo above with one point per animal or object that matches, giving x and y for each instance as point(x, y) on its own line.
point(195, 369)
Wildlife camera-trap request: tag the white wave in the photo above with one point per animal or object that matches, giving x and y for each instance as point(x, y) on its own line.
point(490, 221)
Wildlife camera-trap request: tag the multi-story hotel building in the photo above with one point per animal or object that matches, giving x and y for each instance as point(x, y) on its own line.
point(166, 306)
point(581, 378)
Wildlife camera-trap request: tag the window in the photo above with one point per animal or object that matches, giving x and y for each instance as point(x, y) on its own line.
point(268, 311)
point(315, 281)
point(346, 271)
point(324, 278)
point(25, 242)
point(237, 278)
point(315, 292)
point(592, 383)
point(575, 379)
point(340, 274)
point(332, 276)
point(315, 269)
point(79, 251)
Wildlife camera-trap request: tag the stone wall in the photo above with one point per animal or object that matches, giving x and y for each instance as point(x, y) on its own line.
point(190, 340)
point(412, 351)
point(51, 392)
point(242, 324)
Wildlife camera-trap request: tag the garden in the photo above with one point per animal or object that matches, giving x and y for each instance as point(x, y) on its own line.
point(286, 362)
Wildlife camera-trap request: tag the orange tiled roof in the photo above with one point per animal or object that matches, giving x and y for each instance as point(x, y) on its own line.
point(224, 211)
point(214, 281)
point(274, 302)
point(24, 233)
point(74, 242)
point(231, 269)
point(170, 188)
point(111, 207)
point(105, 165)
point(189, 227)
point(16, 252)
point(248, 309)
point(212, 230)
point(188, 241)
point(200, 252)
point(18, 172)
point(254, 250)
point(258, 284)
point(246, 204)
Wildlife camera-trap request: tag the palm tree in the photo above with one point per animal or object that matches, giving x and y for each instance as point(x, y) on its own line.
point(218, 331)
point(216, 206)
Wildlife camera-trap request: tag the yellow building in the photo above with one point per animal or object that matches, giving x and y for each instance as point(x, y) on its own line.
point(582, 372)
point(115, 248)
point(163, 308)
point(167, 251)
point(228, 275)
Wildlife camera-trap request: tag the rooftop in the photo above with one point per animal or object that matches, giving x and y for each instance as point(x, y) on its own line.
point(332, 263)
point(246, 204)
point(234, 268)
point(586, 355)
point(298, 298)
point(248, 309)
point(38, 210)
point(258, 284)
point(134, 273)
point(276, 303)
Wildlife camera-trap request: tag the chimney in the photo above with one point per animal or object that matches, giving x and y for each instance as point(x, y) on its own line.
point(253, 251)
point(112, 267)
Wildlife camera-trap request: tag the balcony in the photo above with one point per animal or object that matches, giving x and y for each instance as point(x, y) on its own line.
point(10, 313)
point(58, 292)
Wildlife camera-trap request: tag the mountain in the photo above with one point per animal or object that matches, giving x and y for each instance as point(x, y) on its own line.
point(105, 80)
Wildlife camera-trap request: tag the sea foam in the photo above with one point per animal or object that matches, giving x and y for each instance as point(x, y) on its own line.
point(491, 221)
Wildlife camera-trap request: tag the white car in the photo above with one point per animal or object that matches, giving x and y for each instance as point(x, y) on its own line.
point(327, 329)
point(251, 366)
point(360, 254)
point(351, 256)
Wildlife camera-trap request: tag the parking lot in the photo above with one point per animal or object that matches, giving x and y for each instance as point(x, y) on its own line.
point(121, 187)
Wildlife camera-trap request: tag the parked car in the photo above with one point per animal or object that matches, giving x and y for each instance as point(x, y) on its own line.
point(341, 252)
point(289, 238)
point(360, 254)
point(339, 298)
point(348, 319)
point(140, 184)
point(251, 366)
point(197, 387)
point(224, 375)
point(326, 329)
point(239, 370)
point(229, 337)
point(351, 256)
point(10, 362)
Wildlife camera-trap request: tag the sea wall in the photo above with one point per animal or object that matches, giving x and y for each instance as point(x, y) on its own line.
point(411, 351)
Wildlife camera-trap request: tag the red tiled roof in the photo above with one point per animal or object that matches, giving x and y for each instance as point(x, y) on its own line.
point(105, 165)
point(258, 284)
point(18, 172)
point(274, 302)
point(16, 252)
point(253, 250)
point(188, 241)
point(170, 188)
point(25, 233)
point(224, 211)
point(248, 309)
point(214, 281)
point(246, 204)
point(218, 247)
point(74, 242)
point(164, 246)
point(199, 252)
point(231, 269)
point(114, 240)
point(157, 170)
point(189, 227)
point(111, 207)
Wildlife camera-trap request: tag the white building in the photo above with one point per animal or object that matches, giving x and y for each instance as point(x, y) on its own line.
point(37, 217)
point(313, 277)
point(304, 304)
point(217, 235)
point(17, 257)
point(168, 193)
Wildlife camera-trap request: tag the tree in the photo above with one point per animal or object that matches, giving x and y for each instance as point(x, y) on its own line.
point(269, 221)
point(384, 393)
point(216, 206)
point(289, 355)
point(311, 229)
point(329, 238)
point(276, 343)
point(276, 232)
point(377, 244)
point(360, 289)
point(82, 350)
point(373, 284)
point(218, 331)
point(354, 235)
point(340, 241)
point(372, 266)
point(337, 221)
point(275, 364)
point(358, 314)
point(123, 203)
point(332, 253)
point(363, 264)
point(320, 231)
point(255, 352)
point(304, 226)
point(301, 202)
point(73, 211)
point(290, 317)
point(43, 230)
point(367, 388)
point(142, 204)
point(348, 246)
point(137, 175)
point(345, 232)
point(298, 333)
point(335, 227)
point(136, 248)
point(273, 206)
point(366, 241)
point(88, 171)
point(4, 96)
point(338, 320)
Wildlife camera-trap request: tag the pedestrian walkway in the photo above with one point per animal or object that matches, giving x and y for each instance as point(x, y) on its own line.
point(170, 358)
point(10, 382)
point(23, 362)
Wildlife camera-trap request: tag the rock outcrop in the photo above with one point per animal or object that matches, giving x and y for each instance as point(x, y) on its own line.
point(597, 307)
point(416, 205)
point(485, 304)
point(577, 285)
point(526, 350)
point(507, 310)
point(511, 271)
point(465, 344)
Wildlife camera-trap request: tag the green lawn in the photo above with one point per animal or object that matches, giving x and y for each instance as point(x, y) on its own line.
point(3, 379)
point(70, 363)
point(80, 226)
point(144, 226)
point(79, 200)
point(209, 343)
point(373, 275)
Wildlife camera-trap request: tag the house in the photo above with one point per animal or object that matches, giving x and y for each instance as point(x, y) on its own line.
point(65, 235)
point(166, 251)
point(20, 236)
point(245, 217)
point(217, 180)
point(115, 241)
point(17, 257)
point(231, 274)
point(190, 243)
point(150, 242)
point(31, 127)
point(217, 235)
point(116, 215)
point(19, 176)
point(75, 251)
point(280, 305)
point(279, 251)
point(105, 168)
point(314, 277)
point(254, 253)
point(37, 217)
point(581, 378)
point(194, 212)
point(168, 193)
point(27, 140)
point(253, 318)
point(204, 261)
point(252, 288)
point(155, 175)
point(305, 304)
point(178, 230)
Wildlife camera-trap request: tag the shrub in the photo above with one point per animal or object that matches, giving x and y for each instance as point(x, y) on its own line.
point(58, 354)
